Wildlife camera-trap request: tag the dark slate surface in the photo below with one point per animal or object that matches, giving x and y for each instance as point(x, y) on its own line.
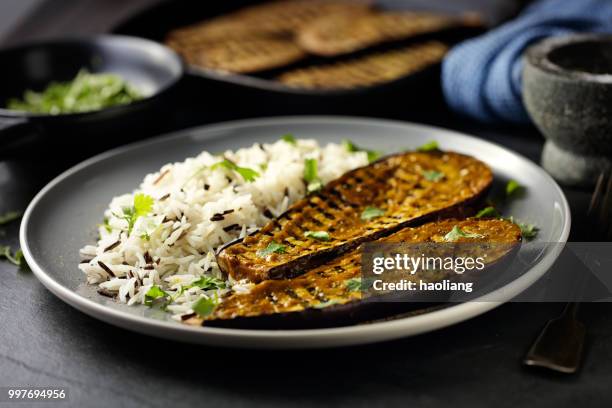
point(44, 342)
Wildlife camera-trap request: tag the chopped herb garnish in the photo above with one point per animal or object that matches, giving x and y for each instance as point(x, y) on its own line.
point(86, 92)
point(371, 212)
point(429, 147)
point(154, 293)
point(311, 176)
point(353, 285)
point(373, 155)
point(204, 306)
point(513, 187)
point(528, 231)
point(19, 258)
point(247, 174)
point(272, 247)
point(457, 233)
point(146, 226)
point(208, 283)
point(350, 146)
point(488, 212)
point(143, 204)
point(289, 138)
point(106, 225)
point(10, 216)
point(263, 166)
point(357, 284)
point(16, 259)
point(432, 175)
point(318, 235)
point(329, 303)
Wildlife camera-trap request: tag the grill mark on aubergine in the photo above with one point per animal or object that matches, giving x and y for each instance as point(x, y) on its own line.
point(328, 281)
point(239, 259)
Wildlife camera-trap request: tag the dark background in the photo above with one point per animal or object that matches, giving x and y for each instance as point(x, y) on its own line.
point(44, 342)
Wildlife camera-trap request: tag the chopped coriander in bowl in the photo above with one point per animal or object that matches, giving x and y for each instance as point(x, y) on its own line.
point(85, 93)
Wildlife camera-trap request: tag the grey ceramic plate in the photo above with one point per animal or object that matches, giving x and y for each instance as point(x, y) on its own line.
point(63, 217)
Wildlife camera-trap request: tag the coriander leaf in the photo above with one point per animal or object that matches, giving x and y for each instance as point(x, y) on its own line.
point(359, 284)
point(311, 175)
point(272, 247)
point(513, 187)
point(329, 303)
point(432, 175)
point(457, 233)
point(247, 174)
point(373, 155)
point(20, 259)
point(146, 226)
point(289, 138)
point(10, 216)
point(353, 285)
point(351, 147)
point(263, 166)
point(429, 147)
point(16, 259)
point(154, 293)
point(86, 92)
point(318, 235)
point(371, 212)
point(488, 212)
point(208, 283)
point(204, 306)
point(529, 231)
point(143, 204)
point(106, 225)
point(178, 293)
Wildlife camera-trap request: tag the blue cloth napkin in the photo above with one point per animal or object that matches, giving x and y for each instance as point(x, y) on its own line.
point(481, 77)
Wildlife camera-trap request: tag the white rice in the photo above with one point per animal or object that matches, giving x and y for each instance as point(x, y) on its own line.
point(182, 239)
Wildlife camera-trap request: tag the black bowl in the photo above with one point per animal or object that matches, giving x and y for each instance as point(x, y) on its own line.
point(152, 68)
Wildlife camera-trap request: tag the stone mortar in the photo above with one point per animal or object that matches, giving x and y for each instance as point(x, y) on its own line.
point(567, 90)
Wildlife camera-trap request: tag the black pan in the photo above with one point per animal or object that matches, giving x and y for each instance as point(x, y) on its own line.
point(265, 96)
point(152, 68)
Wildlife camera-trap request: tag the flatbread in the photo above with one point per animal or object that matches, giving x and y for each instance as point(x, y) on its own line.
point(244, 55)
point(368, 70)
point(341, 34)
point(273, 18)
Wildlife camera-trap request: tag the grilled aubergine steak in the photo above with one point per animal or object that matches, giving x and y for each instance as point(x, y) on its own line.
point(362, 205)
point(327, 295)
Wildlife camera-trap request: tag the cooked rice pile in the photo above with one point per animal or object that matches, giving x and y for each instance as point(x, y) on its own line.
point(195, 208)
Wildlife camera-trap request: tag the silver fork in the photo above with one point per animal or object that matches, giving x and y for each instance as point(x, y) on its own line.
point(560, 345)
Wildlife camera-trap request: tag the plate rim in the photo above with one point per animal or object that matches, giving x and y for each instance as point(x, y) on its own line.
point(277, 339)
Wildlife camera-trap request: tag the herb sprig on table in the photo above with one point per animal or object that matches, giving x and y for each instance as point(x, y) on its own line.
point(6, 252)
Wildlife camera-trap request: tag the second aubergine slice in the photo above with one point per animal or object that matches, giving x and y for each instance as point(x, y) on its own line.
point(327, 295)
point(362, 205)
